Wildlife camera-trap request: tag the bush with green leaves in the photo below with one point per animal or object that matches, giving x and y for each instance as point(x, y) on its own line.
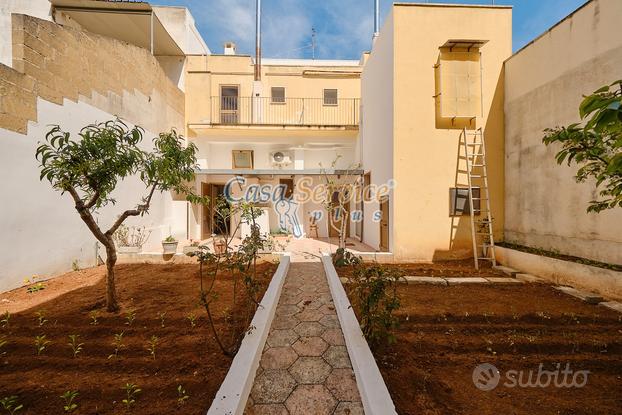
point(69, 397)
point(372, 289)
point(344, 258)
point(11, 404)
point(595, 144)
point(235, 263)
point(89, 168)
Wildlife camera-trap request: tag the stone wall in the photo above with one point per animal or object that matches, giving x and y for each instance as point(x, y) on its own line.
point(55, 63)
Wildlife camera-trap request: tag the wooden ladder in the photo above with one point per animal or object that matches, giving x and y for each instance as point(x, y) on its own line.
point(481, 229)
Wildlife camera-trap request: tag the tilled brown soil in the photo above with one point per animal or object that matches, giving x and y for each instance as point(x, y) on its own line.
point(446, 332)
point(451, 269)
point(185, 355)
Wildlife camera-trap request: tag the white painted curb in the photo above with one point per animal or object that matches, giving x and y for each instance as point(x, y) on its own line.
point(374, 393)
point(233, 393)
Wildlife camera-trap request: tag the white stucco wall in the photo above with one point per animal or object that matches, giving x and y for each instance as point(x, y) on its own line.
point(377, 124)
point(544, 85)
point(42, 233)
point(36, 8)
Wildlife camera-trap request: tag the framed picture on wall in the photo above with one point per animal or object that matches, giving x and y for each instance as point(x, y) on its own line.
point(242, 159)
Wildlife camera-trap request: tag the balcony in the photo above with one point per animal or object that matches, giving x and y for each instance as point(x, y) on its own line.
point(283, 112)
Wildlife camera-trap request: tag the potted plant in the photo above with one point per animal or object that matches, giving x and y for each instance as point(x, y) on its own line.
point(169, 245)
point(193, 247)
point(130, 239)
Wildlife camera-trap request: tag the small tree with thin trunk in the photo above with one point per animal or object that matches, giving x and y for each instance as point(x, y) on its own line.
point(91, 167)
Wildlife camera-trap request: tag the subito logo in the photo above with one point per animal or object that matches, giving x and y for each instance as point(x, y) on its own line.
point(486, 377)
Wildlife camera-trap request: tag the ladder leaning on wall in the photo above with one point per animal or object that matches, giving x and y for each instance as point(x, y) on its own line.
point(474, 146)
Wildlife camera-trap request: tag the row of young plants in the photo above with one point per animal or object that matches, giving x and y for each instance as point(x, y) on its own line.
point(70, 401)
point(12, 405)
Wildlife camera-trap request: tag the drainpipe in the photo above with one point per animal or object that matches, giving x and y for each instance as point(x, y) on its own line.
point(258, 41)
point(376, 19)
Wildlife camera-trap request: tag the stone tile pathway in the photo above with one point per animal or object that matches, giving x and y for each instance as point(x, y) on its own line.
point(305, 367)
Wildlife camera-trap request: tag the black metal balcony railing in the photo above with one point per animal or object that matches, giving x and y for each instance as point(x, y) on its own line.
point(286, 112)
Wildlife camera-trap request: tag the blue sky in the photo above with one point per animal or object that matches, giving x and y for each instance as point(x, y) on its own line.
point(344, 27)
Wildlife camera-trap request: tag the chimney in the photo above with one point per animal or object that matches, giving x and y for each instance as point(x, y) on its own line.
point(229, 48)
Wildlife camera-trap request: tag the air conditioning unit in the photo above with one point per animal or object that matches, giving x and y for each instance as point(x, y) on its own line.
point(280, 158)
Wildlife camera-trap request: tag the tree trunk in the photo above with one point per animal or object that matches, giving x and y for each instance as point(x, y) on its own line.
point(111, 290)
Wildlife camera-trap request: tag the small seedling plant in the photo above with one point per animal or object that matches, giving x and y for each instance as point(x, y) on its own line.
point(192, 318)
point(118, 344)
point(35, 288)
point(162, 317)
point(6, 319)
point(130, 317)
point(182, 396)
point(41, 317)
point(94, 316)
point(152, 345)
point(41, 343)
point(76, 347)
point(11, 405)
point(69, 397)
point(131, 394)
point(3, 343)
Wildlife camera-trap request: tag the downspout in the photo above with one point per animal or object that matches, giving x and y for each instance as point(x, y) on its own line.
point(258, 41)
point(376, 19)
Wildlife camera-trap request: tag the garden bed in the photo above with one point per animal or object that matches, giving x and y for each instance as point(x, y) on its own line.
point(451, 269)
point(185, 355)
point(445, 332)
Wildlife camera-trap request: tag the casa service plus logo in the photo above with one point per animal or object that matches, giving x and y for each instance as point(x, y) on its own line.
point(487, 377)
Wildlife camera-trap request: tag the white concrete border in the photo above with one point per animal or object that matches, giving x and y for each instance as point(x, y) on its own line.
point(605, 282)
point(233, 393)
point(374, 393)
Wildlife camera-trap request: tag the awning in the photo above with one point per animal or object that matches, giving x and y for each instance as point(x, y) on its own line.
point(129, 21)
point(467, 44)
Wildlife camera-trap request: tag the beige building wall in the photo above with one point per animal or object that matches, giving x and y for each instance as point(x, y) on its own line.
point(545, 82)
point(425, 150)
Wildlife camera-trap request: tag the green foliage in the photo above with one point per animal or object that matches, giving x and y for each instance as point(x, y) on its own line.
point(595, 144)
point(69, 397)
point(41, 317)
point(118, 344)
point(41, 343)
point(75, 265)
point(182, 396)
point(35, 288)
point(343, 258)
point(6, 319)
point(11, 404)
point(130, 316)
point(152, 344)
point(192, 318)
point(373, 292)
point(91, 166)
point(131, 393)
point(3, 343)
point(238, 264)
point(94, 316)
point(170, 239)
point(76, 347)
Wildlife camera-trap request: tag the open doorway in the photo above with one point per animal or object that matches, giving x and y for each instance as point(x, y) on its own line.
point(211, 222)
point(338, 215)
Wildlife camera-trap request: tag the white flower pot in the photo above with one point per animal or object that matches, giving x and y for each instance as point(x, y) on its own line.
point(169, 247)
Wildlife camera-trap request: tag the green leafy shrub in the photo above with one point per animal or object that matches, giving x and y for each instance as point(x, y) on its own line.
point(344, 258)
point(372, 290)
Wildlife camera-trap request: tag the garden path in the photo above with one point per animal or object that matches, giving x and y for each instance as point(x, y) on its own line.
point(305, 367)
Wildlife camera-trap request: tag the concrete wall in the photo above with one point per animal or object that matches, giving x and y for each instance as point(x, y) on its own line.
point(425, 153)
point(71, 78)
point(377, 125)
point(545, 82)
